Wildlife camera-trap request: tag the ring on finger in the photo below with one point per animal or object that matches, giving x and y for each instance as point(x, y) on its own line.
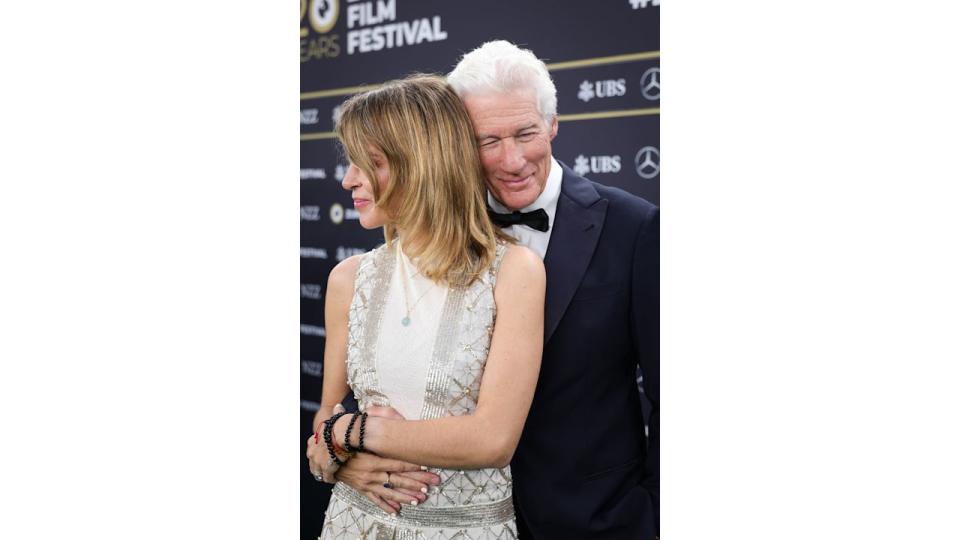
point(387, 484)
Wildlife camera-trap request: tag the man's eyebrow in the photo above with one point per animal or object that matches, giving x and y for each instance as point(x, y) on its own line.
point(484, 136)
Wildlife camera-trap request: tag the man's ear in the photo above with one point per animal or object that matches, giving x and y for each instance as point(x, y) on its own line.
point(553, 127)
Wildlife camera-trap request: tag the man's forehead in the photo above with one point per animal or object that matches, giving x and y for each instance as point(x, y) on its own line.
point(519, 97)
point(496, 114)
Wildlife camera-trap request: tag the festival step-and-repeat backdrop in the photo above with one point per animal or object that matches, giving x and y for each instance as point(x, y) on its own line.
point(604, 58)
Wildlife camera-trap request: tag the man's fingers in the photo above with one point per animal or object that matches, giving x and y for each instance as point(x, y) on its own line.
point(423, 477)
point(381, 503)
point(396, 496)
point(410, 497)
point(410, 484)
point(392, 465)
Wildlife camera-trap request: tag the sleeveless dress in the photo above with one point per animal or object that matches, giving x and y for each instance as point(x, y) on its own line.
point(421, 348)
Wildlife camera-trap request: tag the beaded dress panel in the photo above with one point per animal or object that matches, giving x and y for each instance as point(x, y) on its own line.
point(468, 504)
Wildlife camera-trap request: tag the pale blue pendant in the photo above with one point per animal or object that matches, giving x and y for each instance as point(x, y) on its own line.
point(405, 321)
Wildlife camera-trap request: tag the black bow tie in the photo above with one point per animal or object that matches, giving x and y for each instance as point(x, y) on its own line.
point(537, 219)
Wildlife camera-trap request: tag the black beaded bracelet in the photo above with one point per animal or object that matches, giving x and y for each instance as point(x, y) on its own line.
point(328, 436)
point(346, 438)
point(363, 428)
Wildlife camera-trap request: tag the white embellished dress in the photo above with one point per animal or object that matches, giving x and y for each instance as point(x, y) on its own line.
point(429, 367)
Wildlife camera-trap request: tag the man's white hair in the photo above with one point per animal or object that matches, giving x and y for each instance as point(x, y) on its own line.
point(500, 66)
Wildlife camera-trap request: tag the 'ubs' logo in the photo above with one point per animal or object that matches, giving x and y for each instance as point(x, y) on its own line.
point(602, 89)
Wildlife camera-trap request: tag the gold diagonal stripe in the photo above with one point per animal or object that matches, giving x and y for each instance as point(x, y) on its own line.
point(339, 91)
point(616, 59)
point(560, 117)
point(555, 66)
point(608, 114)
point(318, 136)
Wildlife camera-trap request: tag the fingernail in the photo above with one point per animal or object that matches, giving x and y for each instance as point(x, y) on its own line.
point(414, 502)
point(423, 489)
point(423, 467)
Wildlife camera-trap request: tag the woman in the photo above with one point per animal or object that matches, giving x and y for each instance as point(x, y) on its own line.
point(410, 326)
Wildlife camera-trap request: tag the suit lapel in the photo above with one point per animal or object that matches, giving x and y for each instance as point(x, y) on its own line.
point(576, 230)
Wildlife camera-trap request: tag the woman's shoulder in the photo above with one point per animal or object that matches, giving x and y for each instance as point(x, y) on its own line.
point(343, 275)
point(521, 263)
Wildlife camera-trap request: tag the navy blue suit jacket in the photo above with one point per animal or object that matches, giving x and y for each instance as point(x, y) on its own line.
point(584, 467)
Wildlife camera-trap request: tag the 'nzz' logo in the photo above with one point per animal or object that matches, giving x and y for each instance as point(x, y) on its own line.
point(637, 4)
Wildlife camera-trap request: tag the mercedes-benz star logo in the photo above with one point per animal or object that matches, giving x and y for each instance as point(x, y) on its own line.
point(648, 162)
point(650, 84)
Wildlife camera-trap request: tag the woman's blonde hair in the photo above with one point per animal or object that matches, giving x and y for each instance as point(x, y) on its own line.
point(435, 195)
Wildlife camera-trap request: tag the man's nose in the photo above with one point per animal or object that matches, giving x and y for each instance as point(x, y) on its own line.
point(513, 160)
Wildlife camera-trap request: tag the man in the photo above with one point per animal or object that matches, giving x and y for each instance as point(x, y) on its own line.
point(584, 467)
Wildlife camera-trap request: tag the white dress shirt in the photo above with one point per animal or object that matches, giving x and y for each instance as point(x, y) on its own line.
point(526, 236)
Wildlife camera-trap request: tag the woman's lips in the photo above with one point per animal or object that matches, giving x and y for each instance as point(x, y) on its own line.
point(360, 203)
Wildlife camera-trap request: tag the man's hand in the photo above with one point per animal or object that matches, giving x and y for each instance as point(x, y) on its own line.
point(367, 473)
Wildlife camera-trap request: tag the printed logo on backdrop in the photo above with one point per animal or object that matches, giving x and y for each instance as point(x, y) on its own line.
point(309, 213)
point(335, 116)
point(650, 84)
point(308, 405)
point(373, 26)
point(336, 213)
point(313, 253)
point(318, 16)
point(323, 14)
point(602, 89)
point(311, 291)
point(648, 162)
point(345, 252)
point(596, 164)
point(339, 173)
point(313, 174)
point(309, 367)
point(638, 4)
point(308, 117)
point(311, 330)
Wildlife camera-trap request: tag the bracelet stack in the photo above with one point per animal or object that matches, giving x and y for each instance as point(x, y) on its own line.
point(328, 436)
point(340, 454)
point(363, 427)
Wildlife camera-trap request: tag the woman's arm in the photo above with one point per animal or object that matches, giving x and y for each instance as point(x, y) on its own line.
point(489, 436)
point(363, 473)
point(336, 318)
